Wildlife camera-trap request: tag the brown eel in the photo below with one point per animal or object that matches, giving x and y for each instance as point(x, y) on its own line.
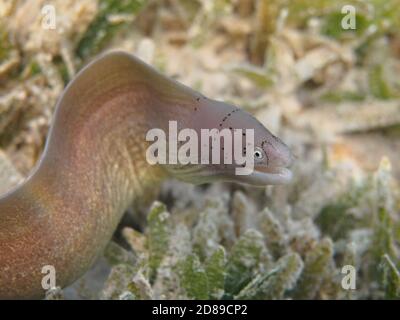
point(94, 166)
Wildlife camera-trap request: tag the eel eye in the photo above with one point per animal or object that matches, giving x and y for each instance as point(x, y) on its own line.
point(258, 154)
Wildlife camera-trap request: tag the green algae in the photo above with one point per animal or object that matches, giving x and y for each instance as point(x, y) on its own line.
point(102, 30)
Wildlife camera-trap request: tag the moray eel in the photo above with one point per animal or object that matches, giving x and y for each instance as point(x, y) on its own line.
point(94, 166)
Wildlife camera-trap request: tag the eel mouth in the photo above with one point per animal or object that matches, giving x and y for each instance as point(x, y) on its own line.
point(261, 176)
point(264, 175)
point(281, 174)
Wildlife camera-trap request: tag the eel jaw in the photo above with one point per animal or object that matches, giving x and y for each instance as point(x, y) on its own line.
point(263, 175)
point(260, 177)
point(277, 175)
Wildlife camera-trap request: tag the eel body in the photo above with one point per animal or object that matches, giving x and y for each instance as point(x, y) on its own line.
point(94, 166)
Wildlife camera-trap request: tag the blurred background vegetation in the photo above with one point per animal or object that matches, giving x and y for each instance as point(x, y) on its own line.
point(332, 94)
